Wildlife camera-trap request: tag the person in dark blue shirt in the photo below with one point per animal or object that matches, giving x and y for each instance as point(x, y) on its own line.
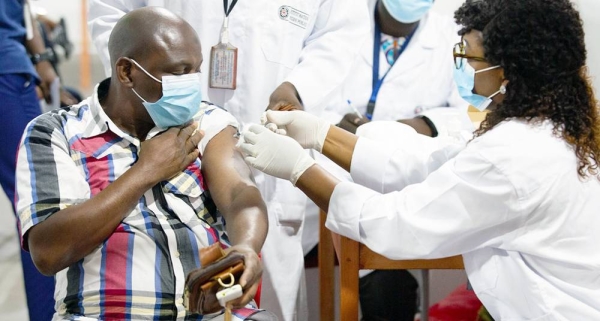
point(24, 71)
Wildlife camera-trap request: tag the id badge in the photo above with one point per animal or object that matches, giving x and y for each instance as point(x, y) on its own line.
point(223, 66)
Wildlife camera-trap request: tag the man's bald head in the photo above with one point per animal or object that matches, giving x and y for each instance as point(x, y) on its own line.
point(148, 30)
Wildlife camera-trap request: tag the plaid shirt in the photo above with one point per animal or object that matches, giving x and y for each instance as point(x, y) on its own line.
point(69, 155)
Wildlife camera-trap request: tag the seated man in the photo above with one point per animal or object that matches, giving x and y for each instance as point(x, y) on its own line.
point(113, 198)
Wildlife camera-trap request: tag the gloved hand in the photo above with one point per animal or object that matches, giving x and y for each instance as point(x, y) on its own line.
point(274, 154)
point(308, 130)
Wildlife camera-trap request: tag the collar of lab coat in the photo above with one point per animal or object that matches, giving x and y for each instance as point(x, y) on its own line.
point(426, 37)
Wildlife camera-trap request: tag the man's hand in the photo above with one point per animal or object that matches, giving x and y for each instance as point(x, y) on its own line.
point(47, 75)
point(274, 154)
point(170, 152)
point(308, 130)
point(250, 279)
point(285, 98)
point(352, 121)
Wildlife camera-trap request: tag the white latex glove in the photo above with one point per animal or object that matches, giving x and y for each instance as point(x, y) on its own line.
point(274, 154)
point(308, 130)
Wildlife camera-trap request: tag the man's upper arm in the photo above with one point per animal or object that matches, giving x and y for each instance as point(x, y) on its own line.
point(224, 168)
point(102, 17)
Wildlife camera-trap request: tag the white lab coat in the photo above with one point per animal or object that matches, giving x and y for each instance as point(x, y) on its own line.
point(420, 83)
point(271, 50)
point(511, 203)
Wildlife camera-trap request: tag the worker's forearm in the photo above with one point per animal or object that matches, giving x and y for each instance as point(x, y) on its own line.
point(318, 185)
point(339, 146)
point(247, 221)
point(72, 233)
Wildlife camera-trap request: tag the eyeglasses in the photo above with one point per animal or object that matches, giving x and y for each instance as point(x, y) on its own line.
point(460, 56)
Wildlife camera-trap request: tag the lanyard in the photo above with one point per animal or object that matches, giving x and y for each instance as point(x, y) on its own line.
point(227, 12)
point(225, 30)
point(377, 82)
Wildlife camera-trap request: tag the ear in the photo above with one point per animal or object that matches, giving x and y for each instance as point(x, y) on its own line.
point(123, 71)
point(501, 74)
point(502, 78)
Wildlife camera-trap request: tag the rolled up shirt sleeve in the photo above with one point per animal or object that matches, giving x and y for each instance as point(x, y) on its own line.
point(213, 120)
point(48, 179)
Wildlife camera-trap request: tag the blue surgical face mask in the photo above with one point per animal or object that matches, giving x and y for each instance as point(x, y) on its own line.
point(180, 101)
point(465, 81)
point(407, 11)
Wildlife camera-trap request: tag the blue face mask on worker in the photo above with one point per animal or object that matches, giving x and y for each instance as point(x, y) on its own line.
point(180, 101)
point(465, 81)
point(407, 11)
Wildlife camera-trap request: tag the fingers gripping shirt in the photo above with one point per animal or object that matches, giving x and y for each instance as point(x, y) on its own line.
point(68, 156)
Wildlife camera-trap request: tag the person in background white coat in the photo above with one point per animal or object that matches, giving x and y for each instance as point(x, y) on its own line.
point(291, 54)
point(519, 202)
point(403, 72)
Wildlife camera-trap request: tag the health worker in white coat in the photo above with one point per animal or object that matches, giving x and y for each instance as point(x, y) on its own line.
point(290, 54)
point(519, 202)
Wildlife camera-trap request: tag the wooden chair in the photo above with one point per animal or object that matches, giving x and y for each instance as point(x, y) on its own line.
point(326, 271)
point(353, 257)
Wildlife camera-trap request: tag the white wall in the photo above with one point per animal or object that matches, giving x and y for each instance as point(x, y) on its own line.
point(590, 13)
point(447, 6)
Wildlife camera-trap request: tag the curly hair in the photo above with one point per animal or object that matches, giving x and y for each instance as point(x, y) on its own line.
point(540, 45)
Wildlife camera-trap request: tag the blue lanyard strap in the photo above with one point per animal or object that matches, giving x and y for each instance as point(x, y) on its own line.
point(377, 82)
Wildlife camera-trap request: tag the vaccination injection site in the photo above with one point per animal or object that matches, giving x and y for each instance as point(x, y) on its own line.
point(300, 160)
